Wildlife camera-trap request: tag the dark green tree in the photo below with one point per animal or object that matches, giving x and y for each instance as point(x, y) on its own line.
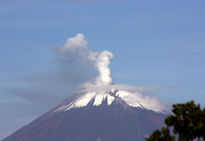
point(187, 122)
point(163, 135)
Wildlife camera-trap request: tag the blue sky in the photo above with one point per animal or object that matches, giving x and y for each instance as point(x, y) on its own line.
point(155, 43)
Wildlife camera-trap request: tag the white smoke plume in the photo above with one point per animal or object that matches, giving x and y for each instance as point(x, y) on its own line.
point(76, 51)
point(102, 64)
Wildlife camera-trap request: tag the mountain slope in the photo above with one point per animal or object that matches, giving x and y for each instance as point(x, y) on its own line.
point(104, 121)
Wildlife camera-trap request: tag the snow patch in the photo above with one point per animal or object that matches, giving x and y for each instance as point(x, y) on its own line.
point(132, 96)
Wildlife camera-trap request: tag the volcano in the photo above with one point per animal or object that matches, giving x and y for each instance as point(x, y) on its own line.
point(100, 110)
point(105, 113)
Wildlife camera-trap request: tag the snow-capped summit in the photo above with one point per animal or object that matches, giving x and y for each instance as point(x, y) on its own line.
point(132, 96)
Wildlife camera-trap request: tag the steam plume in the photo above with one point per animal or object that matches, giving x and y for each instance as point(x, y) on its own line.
point(76, 50)
point(102, 64)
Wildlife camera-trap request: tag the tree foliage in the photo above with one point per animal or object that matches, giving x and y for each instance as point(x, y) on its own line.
point(187, 122)
point(163, 135)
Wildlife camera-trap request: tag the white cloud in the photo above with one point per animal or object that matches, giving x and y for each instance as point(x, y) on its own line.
point(77, 53)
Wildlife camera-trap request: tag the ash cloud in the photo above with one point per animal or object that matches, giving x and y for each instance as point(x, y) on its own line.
point(76, 51)
point(77, 66)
